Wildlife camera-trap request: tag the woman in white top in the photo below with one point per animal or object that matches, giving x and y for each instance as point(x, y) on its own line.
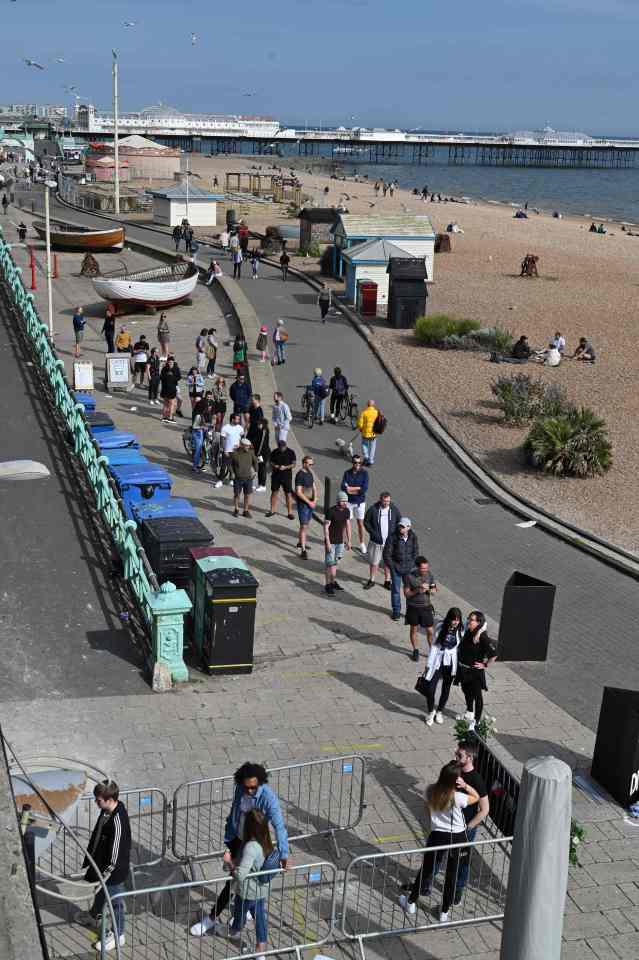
point(442, 663)
point(445, 802)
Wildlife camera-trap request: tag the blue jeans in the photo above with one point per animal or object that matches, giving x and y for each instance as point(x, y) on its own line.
point(368, 449)
point(198, 440)
point(280, 346)
point(464, 865)
point(118, 905)
point(396, 590)
point(257, 908)
point(319, 407)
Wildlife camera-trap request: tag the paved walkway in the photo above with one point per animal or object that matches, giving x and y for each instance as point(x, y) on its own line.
point(333, 676)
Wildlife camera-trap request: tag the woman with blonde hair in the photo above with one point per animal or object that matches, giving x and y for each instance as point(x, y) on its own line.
point(445, 802)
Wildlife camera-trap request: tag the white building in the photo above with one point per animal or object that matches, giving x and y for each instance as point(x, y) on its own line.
point(412, 233)
point(161, 119)
point(45, 111)
point(174, 204)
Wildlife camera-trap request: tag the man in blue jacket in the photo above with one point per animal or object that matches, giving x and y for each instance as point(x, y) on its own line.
point(355, 484)
point(251, 793)
point(241, 393)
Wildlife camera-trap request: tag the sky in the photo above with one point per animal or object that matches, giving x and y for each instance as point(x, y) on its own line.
point(499, 65)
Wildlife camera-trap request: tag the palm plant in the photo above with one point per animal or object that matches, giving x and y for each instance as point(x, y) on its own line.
point(574, 444)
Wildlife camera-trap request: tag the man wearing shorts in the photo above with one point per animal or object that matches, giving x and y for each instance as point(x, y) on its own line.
point(355, 486)
point(231, 434)
point(79, 321)
point(337, 535)
point(244, 466)
point(306, 493)
point(418, 585)
point(282, 463)
point(379, 520)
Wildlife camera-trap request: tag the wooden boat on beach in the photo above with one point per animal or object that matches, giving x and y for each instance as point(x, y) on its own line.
point(159, 287)
point(71, 237)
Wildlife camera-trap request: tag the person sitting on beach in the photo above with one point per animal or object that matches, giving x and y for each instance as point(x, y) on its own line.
point(559, 342)
point(593, 228)
point(584, 351)
point(550, 357)
point(521, 351)
point(601, 228)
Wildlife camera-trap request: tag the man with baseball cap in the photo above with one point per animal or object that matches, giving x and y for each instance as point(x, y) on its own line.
point(337, 535)
point(400, 552)
point(244, 467)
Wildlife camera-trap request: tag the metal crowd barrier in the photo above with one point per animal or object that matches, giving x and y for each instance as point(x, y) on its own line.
point(374, 883)
point(319, 797)
point(503, 789)
point(300, 912)
point(148, 816)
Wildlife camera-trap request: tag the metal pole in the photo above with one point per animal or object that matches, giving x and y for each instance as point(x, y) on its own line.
point(116, 158)
point(47, 224)
point(188, 160)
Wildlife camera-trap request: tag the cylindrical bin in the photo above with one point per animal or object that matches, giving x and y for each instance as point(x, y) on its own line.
point(99, 423)
point(231, 217)
point(141, 481)
point(225, 594)
point(167, 541)
point(116, 441)
point(367, 298)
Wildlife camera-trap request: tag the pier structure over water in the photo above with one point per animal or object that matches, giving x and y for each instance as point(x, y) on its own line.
point(541, 155)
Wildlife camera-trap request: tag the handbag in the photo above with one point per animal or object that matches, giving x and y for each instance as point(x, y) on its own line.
point(422, 685)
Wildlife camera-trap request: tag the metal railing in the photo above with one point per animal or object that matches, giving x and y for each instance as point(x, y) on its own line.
point(503, 788)
point(299, 906)
point(137, 570)
point(319, 797)
point(148, 817)
point(474, 876)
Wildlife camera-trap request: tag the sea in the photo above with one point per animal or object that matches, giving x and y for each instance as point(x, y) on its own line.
point(608, 195)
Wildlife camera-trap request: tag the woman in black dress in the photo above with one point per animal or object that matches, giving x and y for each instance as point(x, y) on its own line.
point(474, 654)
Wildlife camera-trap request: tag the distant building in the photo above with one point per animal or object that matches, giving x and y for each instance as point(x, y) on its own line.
point(413, 233)
point(103, 169)
point(369, 261)
point(45, 111)
point(175, 204)
point(162, 119)
point(316, 224)
point(146, 159)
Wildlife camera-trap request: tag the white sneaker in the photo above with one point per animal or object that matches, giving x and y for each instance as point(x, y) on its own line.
point(443, 917)
point(471, 725)
point(204, 925)
point(362, 549)
point(260, 489)
point(469, 715)
point(218, 484)
point(429, 719)
point(439, 717)
point(109, 943)
point(406, 905)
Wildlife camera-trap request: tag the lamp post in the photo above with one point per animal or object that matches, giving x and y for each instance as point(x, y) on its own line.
point(47, 227)
point(116, 163)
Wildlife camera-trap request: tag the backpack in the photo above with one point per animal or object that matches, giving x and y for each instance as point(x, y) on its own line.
point(323, 392)
point(380, 424)
point(283, 335)
point(272, 862)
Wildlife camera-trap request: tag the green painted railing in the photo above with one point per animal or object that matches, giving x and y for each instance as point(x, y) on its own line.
point(155, 604)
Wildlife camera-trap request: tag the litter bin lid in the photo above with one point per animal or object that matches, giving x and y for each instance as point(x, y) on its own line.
point(367, 285)
point(86, 398)
point(121, 455)
point(97, 418)
point(226, 576)
point(139, 474)
point(224, 561)
point(117, 438)
point(176, 530)
point(201, 553)
point(152, 510)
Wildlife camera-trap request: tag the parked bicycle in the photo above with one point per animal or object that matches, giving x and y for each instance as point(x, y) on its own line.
point(346, 408)
point(211, 454)
point(307, 404)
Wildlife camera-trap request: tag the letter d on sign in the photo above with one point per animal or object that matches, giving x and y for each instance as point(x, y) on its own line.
point(634, 784)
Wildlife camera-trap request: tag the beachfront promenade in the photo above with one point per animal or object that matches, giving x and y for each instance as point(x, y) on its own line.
point(334, 676)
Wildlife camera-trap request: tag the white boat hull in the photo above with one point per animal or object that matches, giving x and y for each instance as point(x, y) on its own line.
point(150, 294)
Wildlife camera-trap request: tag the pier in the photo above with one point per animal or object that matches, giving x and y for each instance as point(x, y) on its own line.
point(541, 155)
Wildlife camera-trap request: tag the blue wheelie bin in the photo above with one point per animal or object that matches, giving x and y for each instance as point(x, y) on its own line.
point(99, 423)
point(153, 510)
point(116, 440)
point(124, 455)
point(141, 482)
point(86, 399)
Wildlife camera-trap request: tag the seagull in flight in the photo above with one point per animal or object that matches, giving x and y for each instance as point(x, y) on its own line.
point(130, 23)
point(32, 63)
point(250, 93)
point(194, 39)
point(60, 60)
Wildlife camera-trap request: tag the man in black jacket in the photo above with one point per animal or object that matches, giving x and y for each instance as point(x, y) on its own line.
point(110, 850)
point(380, 520)
point(400, 553)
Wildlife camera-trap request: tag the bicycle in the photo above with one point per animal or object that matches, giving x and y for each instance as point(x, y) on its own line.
point(308, 406)
point(210, 446)
point(346, 408)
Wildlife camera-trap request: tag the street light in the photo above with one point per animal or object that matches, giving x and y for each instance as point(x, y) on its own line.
point(47, 228)
point(116, 164)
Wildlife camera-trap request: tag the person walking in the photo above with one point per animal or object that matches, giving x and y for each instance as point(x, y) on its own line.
point(169, 379)
point(110, 850)
point(284, 264)
point(108, 329)
point(197, 433)
point(475, 653)
point(306, 495)
point(281, 417)
point(187, 233)
point(240, 353)
point(177, 236)
point(251, 793)
point(324, 301)
point(200, 350)
point(320, 393)
point(154, 375)
point(282, 460)
point(355, 486)
point(442, 664)
point(237, 264)
point(338, 385)
point(365, 424)
point(255, 263)
point(224, 240)
point(164, 335)
point(261, 344)
point(474, 813)
point(230, 434)
point(419, 583)
point(445, 802)
point(337, 538)
point(240, 393)
point(220, 399)
point(400, 553)
point(261, 441)
point(195, 386)
point(251, 894)
point(140, 358)
point(210, 350)
point(380, 519)
point(244, 467)
point(280, 339)
point(79, 322)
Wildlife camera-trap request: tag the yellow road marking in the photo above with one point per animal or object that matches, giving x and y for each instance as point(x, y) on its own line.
point(351, 746)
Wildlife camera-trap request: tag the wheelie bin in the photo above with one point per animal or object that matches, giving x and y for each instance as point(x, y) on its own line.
point(152, 510)
point(99, 423)
point(167, 541)
point(116, 440)
point(141, 482)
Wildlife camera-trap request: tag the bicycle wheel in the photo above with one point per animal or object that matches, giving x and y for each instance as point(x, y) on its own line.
point(310, 412)
point(341, 411)
point(353, 414)
point(217, 460)
point(187, 441)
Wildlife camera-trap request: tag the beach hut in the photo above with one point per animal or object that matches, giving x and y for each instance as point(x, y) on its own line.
point(171, 205)
point(369, 261)
point(413, 233)
point(316, 224)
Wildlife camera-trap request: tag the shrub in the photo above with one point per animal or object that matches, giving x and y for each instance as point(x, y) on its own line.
point(435, 329)
point(494, 339)
point(312, 250)
point(574, 444)
point(523, 399)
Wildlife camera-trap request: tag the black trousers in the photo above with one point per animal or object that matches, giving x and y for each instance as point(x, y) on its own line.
point(223, 899)
point(473, 692)
point(237, 271)
point(154, 386)
point(323, 305)
point(446, 676)
point(109, 342)
point(336, 400)
point(261, 474)
point(423, 882)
